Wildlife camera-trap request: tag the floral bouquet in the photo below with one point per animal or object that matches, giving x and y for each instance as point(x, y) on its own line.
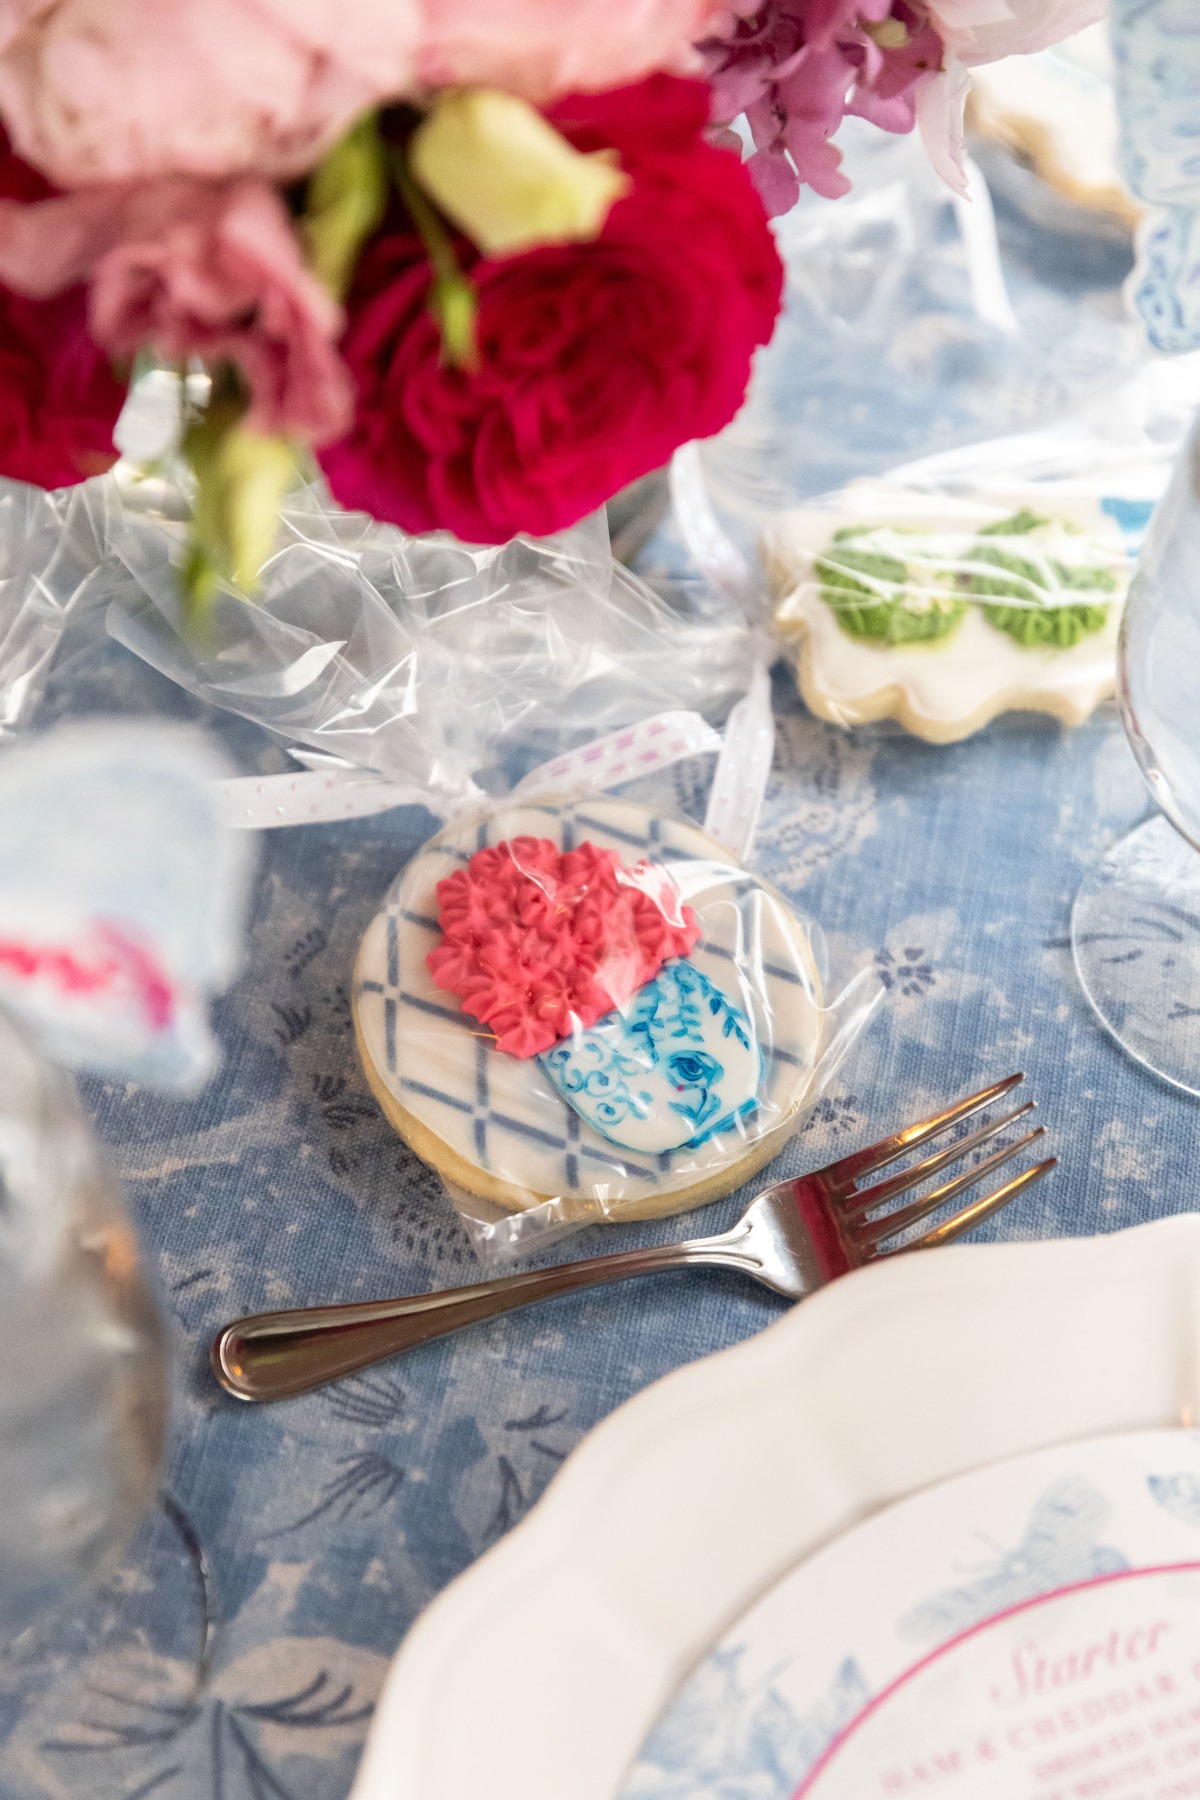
point(486, 263)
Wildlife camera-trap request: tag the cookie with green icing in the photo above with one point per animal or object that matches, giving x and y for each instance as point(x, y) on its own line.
point(1053, 561)
point(879, 597)
point(943, 611)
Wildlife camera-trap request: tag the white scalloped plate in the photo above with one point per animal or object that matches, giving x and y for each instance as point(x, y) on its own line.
point(537, 1674)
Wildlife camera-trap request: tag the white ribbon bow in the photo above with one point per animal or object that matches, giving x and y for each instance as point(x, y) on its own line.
point(327, 789)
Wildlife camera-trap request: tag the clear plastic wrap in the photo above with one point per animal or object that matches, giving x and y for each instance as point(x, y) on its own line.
point(579, 1009)
point(49, 554)
point(443, 668)
point(899, 568)
point(958, 588)
point(914, 322)
point(477, 681)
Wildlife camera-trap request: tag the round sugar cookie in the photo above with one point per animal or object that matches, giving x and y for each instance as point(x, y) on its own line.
point(496, 1124)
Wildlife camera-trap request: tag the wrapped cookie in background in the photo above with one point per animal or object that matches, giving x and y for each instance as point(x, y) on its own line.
point(915, 322)
point(942, 611)
point(979, 581)
point(1044, 130)
point(986, 339)
point(581, 1008)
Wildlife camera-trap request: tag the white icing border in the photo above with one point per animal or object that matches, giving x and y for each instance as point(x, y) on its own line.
point(951, 687)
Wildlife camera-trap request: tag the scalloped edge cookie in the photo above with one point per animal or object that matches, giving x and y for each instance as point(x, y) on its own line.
point(942, 691)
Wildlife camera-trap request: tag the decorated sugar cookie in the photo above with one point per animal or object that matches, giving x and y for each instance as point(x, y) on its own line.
point(943, 616)
point(587, 1002)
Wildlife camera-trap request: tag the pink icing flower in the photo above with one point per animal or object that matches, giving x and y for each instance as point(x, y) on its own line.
point(797, 67)
point(189, 268)
point(544, 48)
point(112, 90)
point(537, 941)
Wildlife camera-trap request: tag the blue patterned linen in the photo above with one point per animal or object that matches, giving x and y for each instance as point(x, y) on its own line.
point(328, 1522)
point(325, 1524)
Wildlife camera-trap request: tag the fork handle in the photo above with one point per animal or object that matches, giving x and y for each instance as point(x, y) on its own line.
point(274, 1355)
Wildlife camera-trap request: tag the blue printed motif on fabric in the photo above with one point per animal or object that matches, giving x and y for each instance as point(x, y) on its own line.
point(678, 1066)
point(1156, 53)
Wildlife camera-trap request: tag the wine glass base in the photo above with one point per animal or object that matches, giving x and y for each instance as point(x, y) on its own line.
point(125, 1666)
point(1135, 937)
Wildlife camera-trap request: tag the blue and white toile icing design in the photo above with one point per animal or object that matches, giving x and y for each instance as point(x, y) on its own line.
point(508, 1116)
point(1156, 50)
point(672, 1069)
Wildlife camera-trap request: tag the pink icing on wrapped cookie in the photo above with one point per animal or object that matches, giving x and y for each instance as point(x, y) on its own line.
point(537, 941)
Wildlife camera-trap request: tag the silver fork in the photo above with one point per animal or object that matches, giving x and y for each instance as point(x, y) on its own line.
point(795, 1237)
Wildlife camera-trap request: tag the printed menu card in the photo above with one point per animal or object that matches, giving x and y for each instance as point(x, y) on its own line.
point(1029, 1631)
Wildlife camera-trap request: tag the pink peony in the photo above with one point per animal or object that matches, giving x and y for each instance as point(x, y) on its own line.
point(797, 67)
point(596, 361)
point(982, 31)
point(59, 399)
point(544, 48)
point(188, 268)
point(113, 90)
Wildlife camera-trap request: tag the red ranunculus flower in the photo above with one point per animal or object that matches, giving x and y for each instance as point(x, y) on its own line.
point(59, 398)
point(596, 360)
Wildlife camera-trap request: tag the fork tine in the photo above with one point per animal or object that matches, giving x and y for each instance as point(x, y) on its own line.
point(873, 1231)
point(973, 1215)
point(877, 1156)
point(860, 1201)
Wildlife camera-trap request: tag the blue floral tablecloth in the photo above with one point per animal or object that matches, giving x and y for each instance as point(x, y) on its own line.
point(325, 1524)
point(239, 1655)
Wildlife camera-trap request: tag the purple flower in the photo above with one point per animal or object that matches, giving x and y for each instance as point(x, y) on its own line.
point(797, 67)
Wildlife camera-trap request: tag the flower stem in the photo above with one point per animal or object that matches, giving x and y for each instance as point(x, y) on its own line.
point(241, 477)
point(344, 203)
point(452, 299)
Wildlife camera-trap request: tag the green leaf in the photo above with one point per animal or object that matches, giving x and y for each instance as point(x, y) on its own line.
point(453, 299)
point(347, 197)
point(454, 304)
